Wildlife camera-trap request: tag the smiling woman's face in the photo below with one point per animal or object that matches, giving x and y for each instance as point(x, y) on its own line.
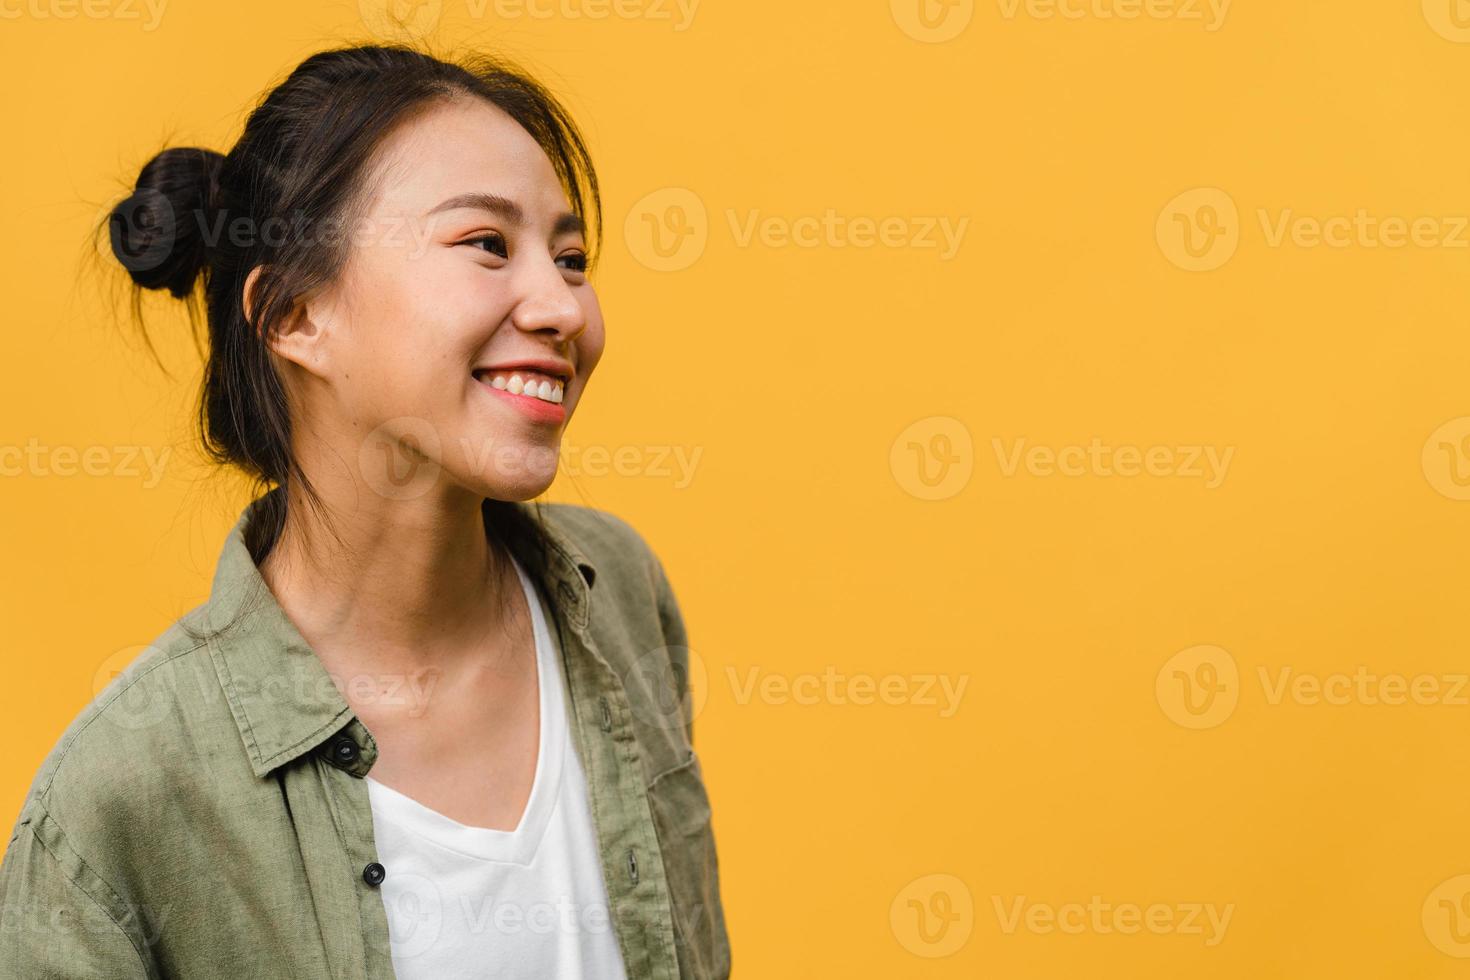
point(466, 265)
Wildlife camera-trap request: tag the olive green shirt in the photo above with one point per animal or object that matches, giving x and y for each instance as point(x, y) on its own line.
point(206, 816)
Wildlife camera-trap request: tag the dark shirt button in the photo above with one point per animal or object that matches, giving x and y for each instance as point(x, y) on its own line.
point(374, 874)
point(345, 750)
point(606, 715)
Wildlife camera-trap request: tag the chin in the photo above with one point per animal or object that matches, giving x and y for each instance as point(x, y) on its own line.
point(503, 477)
point(518, 492)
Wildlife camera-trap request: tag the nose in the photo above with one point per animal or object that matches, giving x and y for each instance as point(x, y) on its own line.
point(548, 304)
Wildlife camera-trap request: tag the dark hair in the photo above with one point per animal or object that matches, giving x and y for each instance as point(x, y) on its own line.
point(300, 164)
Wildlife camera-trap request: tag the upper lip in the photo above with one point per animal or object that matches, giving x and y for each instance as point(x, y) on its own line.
point(558, 369)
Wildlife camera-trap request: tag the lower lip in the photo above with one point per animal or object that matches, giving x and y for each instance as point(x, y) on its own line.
point(534, 408)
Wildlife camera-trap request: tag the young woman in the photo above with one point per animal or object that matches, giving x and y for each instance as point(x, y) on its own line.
point(421, 728)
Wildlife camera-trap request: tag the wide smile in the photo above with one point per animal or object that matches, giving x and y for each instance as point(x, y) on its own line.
point(531, 384)
point(539, 396)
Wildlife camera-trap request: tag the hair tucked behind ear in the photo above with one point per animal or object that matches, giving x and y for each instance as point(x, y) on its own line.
point(159, 232)
point(198, 222)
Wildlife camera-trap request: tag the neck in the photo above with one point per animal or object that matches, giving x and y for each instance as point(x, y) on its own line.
point(390, 587)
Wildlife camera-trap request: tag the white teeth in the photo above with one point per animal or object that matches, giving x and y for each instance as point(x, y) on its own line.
point(531, 386)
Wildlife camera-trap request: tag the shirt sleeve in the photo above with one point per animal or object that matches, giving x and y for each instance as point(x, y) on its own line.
point(676, 638)
point(50, 928)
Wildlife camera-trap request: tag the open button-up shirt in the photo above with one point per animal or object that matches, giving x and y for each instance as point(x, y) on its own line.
point(205, 816)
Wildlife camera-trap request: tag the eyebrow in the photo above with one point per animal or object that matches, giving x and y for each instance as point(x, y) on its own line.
point(510, 211)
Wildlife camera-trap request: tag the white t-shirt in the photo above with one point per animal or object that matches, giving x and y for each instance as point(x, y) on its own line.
point(467, 902)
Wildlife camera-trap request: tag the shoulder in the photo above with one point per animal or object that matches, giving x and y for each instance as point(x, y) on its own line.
point(133, 742)
point(599, 533)
point(131, 776)
point(617, 549)
point(627, 566)
point(639, 629)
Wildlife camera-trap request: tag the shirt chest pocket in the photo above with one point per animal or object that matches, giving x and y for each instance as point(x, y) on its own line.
point(681, 814)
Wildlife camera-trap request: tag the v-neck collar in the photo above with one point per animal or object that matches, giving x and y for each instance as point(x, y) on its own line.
point(516, 846)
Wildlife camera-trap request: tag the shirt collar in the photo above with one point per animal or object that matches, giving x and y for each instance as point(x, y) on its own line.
point(283, 700)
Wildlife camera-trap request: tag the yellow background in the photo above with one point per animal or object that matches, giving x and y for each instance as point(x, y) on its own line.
point(827, 386)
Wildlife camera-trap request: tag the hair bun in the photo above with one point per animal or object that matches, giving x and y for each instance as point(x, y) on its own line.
point(158, 231)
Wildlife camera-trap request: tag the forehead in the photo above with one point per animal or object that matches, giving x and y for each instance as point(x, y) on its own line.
point(463, 146)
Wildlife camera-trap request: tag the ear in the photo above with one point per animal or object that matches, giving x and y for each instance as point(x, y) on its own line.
point(252, 281)
point(298, 338)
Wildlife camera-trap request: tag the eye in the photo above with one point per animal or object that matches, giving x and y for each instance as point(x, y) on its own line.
point(577, 260)
point(496, 243)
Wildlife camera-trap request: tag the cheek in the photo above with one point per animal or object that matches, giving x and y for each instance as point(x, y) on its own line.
point(420, 312)
point(391, 347)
